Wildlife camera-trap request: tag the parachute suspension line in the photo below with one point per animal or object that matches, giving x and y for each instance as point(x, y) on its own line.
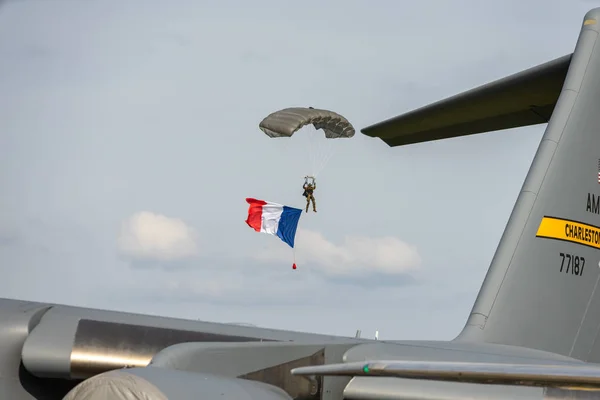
point(326, 159)
point(321, 150)
point(311, 151)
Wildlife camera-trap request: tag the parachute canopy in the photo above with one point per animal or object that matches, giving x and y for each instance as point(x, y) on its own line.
point(284, 123)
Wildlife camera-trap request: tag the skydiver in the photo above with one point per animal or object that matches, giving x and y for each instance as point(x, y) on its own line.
point(309, 188)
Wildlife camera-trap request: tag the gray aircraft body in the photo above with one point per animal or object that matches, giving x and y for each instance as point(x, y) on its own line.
point(533, 332)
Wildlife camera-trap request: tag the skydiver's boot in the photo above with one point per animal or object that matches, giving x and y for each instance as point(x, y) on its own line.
point(314, 204)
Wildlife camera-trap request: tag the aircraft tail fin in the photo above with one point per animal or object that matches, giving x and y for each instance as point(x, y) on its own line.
point(542, 288)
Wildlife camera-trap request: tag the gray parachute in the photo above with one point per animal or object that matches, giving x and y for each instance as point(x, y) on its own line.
point(284, 123)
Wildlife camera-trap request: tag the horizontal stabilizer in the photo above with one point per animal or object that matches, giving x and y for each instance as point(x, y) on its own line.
point(525, 98)
point(548, 375)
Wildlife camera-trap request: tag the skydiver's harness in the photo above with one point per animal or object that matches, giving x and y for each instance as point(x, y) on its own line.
point(308, 191)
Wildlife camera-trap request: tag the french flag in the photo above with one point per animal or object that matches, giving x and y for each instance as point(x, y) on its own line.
point(274, 219)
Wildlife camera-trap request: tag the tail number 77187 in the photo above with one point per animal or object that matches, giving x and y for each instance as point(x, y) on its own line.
point(572, 264)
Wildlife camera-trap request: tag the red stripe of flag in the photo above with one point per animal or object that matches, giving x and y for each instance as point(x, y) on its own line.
point(254, 219)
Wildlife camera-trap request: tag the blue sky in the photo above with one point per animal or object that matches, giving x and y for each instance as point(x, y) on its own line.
point(129, 140)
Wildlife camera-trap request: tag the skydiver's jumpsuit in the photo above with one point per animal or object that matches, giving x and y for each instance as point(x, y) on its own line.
point(308, 193)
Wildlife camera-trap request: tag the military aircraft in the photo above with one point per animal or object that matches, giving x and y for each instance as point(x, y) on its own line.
point(533, 332)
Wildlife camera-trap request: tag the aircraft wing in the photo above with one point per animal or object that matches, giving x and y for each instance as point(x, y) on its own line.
point(546, 375)
point(72, 352)
point(525, 98)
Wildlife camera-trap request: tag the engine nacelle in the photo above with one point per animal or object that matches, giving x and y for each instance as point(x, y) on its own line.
point(153, 383)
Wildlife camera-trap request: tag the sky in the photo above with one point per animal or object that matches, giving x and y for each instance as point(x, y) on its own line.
point(129, 141)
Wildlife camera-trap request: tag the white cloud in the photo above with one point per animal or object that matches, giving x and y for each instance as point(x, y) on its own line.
point(150, 236)
point(356, 255)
